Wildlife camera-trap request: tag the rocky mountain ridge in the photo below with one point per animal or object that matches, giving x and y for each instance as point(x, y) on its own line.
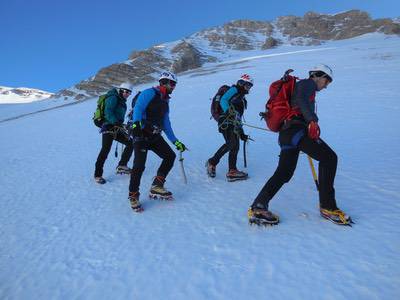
point(214, 44)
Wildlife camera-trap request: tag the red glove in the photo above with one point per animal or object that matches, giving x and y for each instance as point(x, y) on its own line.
point(313, 130)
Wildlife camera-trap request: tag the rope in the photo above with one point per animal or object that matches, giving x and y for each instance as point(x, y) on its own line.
point(252, 126)
point(231, 119)
point(114, 131)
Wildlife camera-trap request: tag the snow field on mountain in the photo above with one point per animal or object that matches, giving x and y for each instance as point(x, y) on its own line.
point(21, 95)
point(64, 237)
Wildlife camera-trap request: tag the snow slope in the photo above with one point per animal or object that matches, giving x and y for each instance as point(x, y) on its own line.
point(64, 237)
point(21, 95)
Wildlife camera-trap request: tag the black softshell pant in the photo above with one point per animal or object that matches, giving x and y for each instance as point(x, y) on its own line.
point(288, 157)
point(106, 142)
point(159, 146)
point(231, 145)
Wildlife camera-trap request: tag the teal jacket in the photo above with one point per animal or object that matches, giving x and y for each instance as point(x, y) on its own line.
point(234, 97)
point(115, 108)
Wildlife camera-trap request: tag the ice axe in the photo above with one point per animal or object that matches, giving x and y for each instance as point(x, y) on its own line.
point(314, 174)
point(244, 154)
point(182, 168)
point(244, 150)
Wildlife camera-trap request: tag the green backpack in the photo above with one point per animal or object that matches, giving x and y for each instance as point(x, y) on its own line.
point(98, 117)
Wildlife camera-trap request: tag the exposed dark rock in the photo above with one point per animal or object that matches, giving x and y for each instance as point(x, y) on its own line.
point(334, 27)
point(236, 35)
point(66, 94)
point(231, 40)
point(387, 26)
point(250, 26)
point(188, 57)
point(270, 42)
point(242, 35)
point(137, 72)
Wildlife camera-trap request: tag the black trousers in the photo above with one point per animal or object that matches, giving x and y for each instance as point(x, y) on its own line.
point(159, 146)
point(106, 143)
point(231, 145)
point(288, 157)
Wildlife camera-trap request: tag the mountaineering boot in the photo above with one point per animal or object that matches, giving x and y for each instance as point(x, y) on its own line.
point(234, 175)
point(158, 191)
point(134, 200)
point(100, 180)
point(210, 169)
point(336, 216)
point(260, 215)
point(123, 170)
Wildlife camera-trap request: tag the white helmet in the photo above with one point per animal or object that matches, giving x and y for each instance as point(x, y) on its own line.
point(246, 78)
point(168, 75)
point(126, 86)
point(322, 68)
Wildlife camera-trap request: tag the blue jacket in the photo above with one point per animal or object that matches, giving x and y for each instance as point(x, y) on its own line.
point(115, 108)
point(153, 111)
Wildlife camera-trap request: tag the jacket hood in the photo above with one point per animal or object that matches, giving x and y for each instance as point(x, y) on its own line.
point(113, 92)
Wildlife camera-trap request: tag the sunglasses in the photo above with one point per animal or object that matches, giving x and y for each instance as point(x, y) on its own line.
point(172, 83)
point(126, 91)
point(248, 85)
point(328, 77)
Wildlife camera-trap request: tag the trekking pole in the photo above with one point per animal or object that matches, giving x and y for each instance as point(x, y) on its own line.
point(244, 154)
point(182, 168)
point(314, 174)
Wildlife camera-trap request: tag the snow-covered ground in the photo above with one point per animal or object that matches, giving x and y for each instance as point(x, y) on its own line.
point(64, 237)
point(15, 110)
point(21, 95)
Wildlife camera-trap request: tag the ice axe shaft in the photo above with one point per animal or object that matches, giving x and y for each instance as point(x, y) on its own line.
point(182, 168)
point(244, 154)
point(314, 174)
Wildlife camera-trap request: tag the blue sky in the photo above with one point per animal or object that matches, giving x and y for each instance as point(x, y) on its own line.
point(52, 45)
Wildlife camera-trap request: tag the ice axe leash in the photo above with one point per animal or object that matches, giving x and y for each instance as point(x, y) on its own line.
point(182, 168)
point(314, 174)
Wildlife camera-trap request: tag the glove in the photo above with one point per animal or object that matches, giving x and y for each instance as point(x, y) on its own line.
point(313, 130)
point(180, 146)
point(244, 137)
point(136, 129)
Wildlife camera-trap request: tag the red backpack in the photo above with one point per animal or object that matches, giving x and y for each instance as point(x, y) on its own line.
point(277, 108)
